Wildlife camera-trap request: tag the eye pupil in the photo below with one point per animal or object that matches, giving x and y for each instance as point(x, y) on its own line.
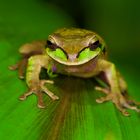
point(94, 45)
point(49, 42)
point(51, 45)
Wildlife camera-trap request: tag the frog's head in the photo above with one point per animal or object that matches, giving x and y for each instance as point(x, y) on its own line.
point(72, 46)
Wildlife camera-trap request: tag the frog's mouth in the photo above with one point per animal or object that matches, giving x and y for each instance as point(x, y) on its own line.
point(73, 60)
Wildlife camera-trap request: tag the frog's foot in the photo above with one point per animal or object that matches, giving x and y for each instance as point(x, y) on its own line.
point(119, 100)
point(38, 90)
point(20, 66)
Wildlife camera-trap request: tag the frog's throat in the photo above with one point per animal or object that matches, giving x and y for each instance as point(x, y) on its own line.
point(76, 63)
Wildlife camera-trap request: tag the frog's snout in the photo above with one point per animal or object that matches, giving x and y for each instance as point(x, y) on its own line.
point(72, 57)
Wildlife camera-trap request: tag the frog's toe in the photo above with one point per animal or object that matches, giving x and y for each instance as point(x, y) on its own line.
point(22, 97)
point(46, 82)
point(47, 91)
point(124, 112)
point(121, 108)
point(118, 102)
point(132, 107)
point(123, 103)
point(54, 97)
point(133, 102)
point(13, 67)
point(21, 76)
point(39, 90)
point(103, 99)
point(40, 101)
point(101, 89)
point(25, 95)
point(40, 105)
point(20, 70)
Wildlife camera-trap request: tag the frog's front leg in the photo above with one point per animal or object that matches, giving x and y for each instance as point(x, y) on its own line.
point(116, 86)
point(36, 85)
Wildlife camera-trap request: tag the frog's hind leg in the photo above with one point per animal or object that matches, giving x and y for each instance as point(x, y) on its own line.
point(20, 66)
point(28, 50)
point(104, 84)
point(123, 87)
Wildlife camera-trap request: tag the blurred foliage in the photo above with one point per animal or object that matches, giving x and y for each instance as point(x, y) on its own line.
point(30, 20)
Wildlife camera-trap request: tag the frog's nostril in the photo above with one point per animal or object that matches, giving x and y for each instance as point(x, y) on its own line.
point(72, 57)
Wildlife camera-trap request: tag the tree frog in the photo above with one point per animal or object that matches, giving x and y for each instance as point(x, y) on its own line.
point(76, 52)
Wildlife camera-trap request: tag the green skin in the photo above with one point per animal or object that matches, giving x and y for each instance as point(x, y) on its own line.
point(76, 52)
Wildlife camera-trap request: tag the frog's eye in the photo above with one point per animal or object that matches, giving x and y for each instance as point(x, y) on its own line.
point(94, 45)
point(55, 51)
point(51, 45)
point(91, 47)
